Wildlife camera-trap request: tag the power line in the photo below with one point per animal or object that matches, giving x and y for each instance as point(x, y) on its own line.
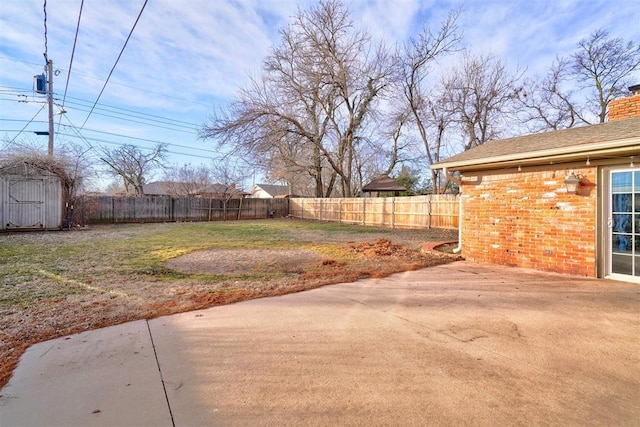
point(14, 89)
point(75, 129)
point(116, 63)
point(164, 119)
point(28, 123)
point(22, 120)
point(191, 127)
point(73, 51)
point(87, 141)
point(71, 125)
point(151, 140)
point(189, 131)
point(141, 122)
point(142, 148)
point(19, 60)
point(118, 84)
point(46, 58)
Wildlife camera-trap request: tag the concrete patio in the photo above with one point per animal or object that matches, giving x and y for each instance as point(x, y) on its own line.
point(458, 344)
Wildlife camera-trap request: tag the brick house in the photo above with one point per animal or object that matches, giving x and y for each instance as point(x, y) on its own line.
point(517, 208)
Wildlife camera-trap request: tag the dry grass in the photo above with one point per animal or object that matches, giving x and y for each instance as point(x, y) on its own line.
point(58, 283)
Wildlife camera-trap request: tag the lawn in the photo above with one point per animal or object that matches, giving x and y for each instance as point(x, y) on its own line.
point(58, 283)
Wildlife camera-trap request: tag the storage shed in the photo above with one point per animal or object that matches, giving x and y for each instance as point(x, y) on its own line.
point(31, 198)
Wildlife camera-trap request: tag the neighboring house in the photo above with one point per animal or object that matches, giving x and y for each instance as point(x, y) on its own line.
point(268, 191)
point(160, 188)
point(518, 208)
point(31, 198)
point(181, 189)
point(382, 185)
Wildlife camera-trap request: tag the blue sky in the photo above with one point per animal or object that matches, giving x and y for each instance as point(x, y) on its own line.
point(189, 57)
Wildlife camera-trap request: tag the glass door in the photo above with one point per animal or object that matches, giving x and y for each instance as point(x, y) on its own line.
point(625, 223)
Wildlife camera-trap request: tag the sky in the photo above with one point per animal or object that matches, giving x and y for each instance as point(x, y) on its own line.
point(186, 59)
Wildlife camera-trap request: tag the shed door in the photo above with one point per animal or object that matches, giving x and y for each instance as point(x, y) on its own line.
point(624, 225)
point(26, 203)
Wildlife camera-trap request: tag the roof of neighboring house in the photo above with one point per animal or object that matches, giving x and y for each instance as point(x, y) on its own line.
point(167, 188)
point(219, 189)
point(158, 188)
point(617, 138)
point(273, 190)
point(383, 183)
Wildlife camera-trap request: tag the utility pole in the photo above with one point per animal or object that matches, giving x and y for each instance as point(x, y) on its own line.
point(50, 99)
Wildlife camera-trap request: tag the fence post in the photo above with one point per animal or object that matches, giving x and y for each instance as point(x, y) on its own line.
point(393, 212)
point(364, 211)
point(429, 211)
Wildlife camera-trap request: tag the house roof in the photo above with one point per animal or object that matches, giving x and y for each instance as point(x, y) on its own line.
point(167, 188)
point(383, 183)
point(219, 189)
point(158, 188)
point(273, 190)
point(617, 138)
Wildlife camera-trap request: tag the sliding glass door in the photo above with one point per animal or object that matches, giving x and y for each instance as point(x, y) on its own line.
point(624, 223)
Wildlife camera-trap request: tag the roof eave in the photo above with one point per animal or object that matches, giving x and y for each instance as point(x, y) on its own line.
point(627, 146)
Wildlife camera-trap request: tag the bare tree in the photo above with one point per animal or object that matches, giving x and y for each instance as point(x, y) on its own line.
point(415, 76)
point(133, 165)
point(317, 92)
point(577, 89)
point(230, 175)
point(481, 94)
point(548, 102)
point(187, 180)
point(602, 65)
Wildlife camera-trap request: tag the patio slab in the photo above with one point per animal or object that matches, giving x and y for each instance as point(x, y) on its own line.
point(458, 344)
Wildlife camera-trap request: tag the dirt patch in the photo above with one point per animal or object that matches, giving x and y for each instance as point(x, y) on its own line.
point(241, 261)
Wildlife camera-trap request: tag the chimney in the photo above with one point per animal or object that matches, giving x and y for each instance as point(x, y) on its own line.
point(627, 107)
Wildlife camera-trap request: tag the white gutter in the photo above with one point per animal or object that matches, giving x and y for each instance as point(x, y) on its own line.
point(610, 148)
point(451, 177)
point(458, 181)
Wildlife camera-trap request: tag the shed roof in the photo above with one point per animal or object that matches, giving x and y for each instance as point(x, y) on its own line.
point(383, 183)
point(606, 139)
point(36, 166)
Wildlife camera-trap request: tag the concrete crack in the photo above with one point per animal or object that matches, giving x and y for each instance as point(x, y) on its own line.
point(164, 387)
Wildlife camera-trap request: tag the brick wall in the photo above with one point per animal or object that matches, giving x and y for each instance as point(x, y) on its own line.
point(527, 219)
point(624, 108)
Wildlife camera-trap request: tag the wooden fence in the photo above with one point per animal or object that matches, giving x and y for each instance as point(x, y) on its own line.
point(109, 210)
point(432, 211)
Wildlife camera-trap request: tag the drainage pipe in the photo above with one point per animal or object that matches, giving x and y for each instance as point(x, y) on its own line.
point(458, 181)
